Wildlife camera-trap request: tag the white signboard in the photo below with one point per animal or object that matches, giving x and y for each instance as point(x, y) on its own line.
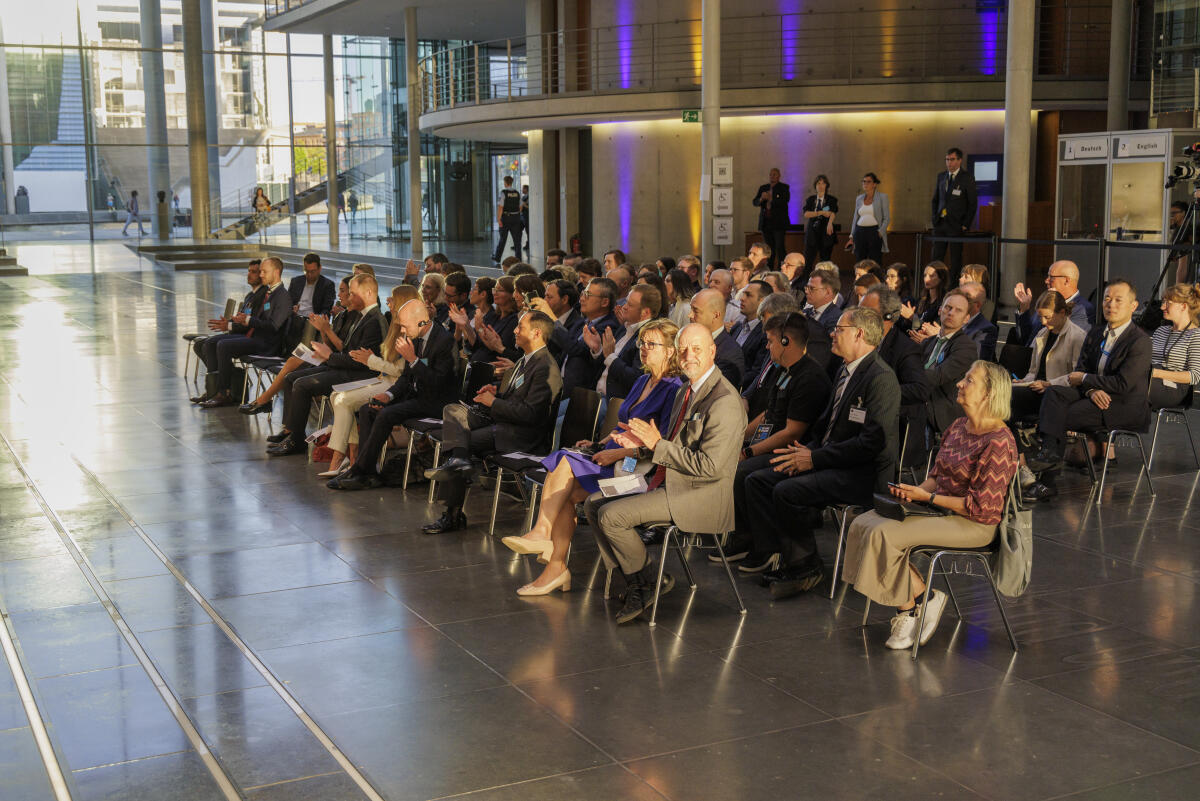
point(1141, 145)
point(722, 170)
point(722, 201)
point(1095, 147)
point(722, 230)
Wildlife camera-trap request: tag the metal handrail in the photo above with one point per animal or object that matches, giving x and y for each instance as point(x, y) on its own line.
point(949, 43)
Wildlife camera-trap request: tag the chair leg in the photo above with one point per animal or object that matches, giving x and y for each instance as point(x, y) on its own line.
point(1012, 638)
point(687, 569)
point(662, 566)
point(1145, 465)
point(729, 573)
point(953, 598)
point(495, 500)
point(407, 461)
point(187, 359)
point(608, 571)
point(245, 382)
point(1191, 441)
point(382, 457)
point(1158, 419)
point(837, 559)
point(925, 602)
point(535, 495)
point(866, 609)
point(437, 457)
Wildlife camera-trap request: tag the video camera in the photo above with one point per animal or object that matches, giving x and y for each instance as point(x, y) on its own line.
point(1187, 172)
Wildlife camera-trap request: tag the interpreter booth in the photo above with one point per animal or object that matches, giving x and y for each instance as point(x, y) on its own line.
point(1117, 187)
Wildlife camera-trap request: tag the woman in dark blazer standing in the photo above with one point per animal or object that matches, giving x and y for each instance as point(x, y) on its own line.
point(820, 210)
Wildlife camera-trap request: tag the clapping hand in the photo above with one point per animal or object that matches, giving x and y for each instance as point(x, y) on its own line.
point(907, 310)
point(320, 322)
point(490, 338)
point(591, 338)
point(411, 269)
point(321, 350)
point(487, 395)
point(608, 343)
point(1024, 296)
point(457, 316)
point(217, 324)
point(646, 431)
point(626, 438)
point(240, 318)
point(361, 355)
point(501, 364)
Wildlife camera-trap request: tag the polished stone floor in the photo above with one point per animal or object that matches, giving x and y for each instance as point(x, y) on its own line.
point(195, 621)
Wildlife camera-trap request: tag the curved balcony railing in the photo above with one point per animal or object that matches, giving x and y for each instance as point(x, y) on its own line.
point(948, 43)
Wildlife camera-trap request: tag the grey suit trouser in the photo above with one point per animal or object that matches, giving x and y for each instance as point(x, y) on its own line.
point(614, 522)
point(463, 441)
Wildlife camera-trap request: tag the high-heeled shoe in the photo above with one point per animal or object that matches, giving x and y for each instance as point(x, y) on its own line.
point(561, 581)
point(521, 545)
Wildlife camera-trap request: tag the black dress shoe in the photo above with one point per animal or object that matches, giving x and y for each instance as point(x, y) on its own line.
point(254, 408)
point(449, 521)
point(1038, 492)
point(1044, 460)
point(200, 398)
point(736, 549)
point(275, 439)
point(794, 580)
point(453, 467)
point(639, 592)
point(288, 447)
point(219, 400)
point(354, 480)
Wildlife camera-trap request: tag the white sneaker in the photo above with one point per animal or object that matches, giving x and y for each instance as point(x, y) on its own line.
point(904, 630)
point(933, 613)
point(1027, 478)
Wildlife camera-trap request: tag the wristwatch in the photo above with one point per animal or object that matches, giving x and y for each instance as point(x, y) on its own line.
point(748, 452)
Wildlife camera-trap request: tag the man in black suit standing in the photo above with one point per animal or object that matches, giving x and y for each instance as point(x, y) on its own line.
point(1109, 386)
point(772, 200)
point(708, 310)
point(847, 455)
point(301, 386)
point(427, 384)
point(954, 206)
point(263, 328)
point(311, 293)
point(947, 358)
point(514, 417)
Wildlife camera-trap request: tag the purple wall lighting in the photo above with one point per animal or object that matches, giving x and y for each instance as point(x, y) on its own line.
point(989, 35)
point(790, 31)
point(625, 144)
point(625, 10)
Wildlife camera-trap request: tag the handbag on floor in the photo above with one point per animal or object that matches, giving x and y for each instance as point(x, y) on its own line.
point(1012, 567)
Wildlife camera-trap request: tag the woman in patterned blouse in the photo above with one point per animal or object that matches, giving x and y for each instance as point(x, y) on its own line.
point(970, 478)
point(1175, 347)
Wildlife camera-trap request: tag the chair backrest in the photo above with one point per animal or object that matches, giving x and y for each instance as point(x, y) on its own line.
point(611, 415)
point(231, 308)
point(308, 334)
point(579, 420)
point(1016, 359)
point(475, 376)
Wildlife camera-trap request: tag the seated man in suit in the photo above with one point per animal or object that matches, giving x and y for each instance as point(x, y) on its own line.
point(205, 347)
point(427, 384)
point(513, 418)
point(980, 328)
point(337, 367)
point(596, 304)
point(708, 310)
point(749, 335)
point(821, 292)
point(721, 280)
point(1109, 386)
point(947, 358)
point(904, 357)
point(620, 355)
point(311, 293)
point(1063, 278)
point(457, 291)
point(692, 485)
point(264, 329)
point(797, 397)
point(848, 455)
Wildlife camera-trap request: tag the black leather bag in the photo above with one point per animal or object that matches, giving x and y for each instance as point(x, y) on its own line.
point(893, 508)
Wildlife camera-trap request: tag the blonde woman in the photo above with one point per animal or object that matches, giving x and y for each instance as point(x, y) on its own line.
point(574, 474)
point(343, 436)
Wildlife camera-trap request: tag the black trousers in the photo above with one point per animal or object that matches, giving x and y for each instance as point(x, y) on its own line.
point(1026, 403)
point(868, 244)
point(943, 228)
point(301, 386)
point(776, 237)
point(375, 426)
point(782, 508)
point(510, 224)
point(463, 435)
point(817, 246)
point(742, 522)
point(227, 348)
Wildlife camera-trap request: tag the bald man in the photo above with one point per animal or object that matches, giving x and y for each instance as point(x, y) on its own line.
point(1063, 278)
point(708, 310)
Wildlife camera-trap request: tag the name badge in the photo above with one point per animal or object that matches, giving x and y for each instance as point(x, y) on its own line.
point(628, 464)
point(267, 306)
point(956, 192)
point(858, 414)
point(518, 381)
point(761, 433)
point(784, 381)
point(1170, 384)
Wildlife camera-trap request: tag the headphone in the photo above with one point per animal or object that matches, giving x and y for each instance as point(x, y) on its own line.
point(785, 340)
point(891, 316)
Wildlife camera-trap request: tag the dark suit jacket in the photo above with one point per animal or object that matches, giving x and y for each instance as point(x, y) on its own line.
point(829, 318)
point(1126, 376)
point(960, 208)
point(580, 368)
point(272, 319)
point(367, 333)
point(730, 360)
point(251, 305)
point(777, 217)
point(432, 377)
point(870, 444)
point(754, 349)
point(324, 293)
point(904, 357)
point(572, 324)
point(522, 413)
point(956, 358)
point(624, 370)
point(984, 332)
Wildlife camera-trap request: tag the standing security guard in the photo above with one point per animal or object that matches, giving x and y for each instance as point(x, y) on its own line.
point(508, 217)
point(772, 201)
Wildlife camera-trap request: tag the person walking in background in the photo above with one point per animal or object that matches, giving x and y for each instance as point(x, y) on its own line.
point(135, 213)
point(352, 202)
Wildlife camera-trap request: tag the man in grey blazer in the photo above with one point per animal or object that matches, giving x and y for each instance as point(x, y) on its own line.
point(692, 484)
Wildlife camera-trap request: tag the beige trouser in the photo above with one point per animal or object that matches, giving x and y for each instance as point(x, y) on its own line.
point(345, 406)
point(877, 550)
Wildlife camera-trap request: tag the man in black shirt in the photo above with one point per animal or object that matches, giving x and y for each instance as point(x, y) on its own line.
point(508, 217)
point(797, 397)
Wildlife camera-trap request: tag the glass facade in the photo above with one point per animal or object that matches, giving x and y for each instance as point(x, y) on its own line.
point(78, 86)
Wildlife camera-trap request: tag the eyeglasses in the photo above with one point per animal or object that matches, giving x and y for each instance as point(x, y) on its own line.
point(644, 345)
point(1053, 277)
point(840, 327)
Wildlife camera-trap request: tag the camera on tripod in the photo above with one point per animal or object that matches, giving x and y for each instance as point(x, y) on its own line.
point(1187, 172)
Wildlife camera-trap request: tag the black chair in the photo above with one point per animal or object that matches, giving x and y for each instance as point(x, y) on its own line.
point(1016, 359)
point(1170, 413)
point(231, 306)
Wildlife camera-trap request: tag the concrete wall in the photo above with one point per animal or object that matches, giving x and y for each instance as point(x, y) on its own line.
point(646, 174)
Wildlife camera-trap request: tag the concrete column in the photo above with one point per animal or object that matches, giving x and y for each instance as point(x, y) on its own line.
point(539, 15)
point(415, 221)
point(543, 195)
point(568, 190)
point(212, 110)
point(7, 178)
point(291, 147)
point(193, 71)
point(1018, 139)
point(710, 117)
point(331, 170)
point(157, 156)
point(1119, 44)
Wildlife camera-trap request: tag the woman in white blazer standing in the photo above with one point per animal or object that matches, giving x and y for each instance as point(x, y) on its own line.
point(868, 226)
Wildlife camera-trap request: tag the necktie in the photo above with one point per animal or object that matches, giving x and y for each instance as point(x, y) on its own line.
point(660, 472)
point(810, 312)
point(1105, 351)
point(936, 352)
point(507, 383)
point(843, 380)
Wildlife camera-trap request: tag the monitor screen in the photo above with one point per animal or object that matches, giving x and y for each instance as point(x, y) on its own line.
point(987, 170)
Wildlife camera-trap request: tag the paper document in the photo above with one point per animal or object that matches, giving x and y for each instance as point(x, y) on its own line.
point(304, 353)
point(350, 386)
point(437, 420)
point(320, 432)
point(628, 484)
point(525, 456)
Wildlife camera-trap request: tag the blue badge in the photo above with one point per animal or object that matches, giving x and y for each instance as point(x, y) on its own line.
point(628, 464)
point(267, 306)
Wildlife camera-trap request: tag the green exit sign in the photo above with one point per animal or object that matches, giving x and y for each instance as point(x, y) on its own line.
point(691, 115)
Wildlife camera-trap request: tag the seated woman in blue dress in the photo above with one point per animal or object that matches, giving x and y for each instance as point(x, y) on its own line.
point(572, 476)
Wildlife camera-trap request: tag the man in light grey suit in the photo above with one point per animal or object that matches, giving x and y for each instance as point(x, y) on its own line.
point(692, 484)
